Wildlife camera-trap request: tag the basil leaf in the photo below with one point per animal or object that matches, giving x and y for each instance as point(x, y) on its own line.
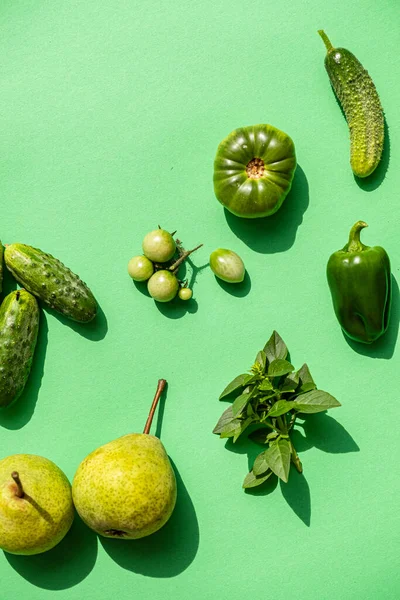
point(261, 359)
point(290, 383)
point(275, 348)
point(244, 425)
point(265, 385)
point(307, 382)
point(276, 458)
point(225, 418)
point(240, 403)
point(279, 367)
point(280, 408)
point(231, 429)
point(252, 480)
point(315, 401)
point(238, 382)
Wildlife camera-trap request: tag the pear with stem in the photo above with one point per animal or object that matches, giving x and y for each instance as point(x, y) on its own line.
point(126, 489)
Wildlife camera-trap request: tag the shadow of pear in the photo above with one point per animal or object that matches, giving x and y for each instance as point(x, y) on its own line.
point(169, 551)
point(64, 566)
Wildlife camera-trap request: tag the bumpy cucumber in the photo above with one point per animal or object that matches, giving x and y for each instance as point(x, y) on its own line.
point(51, 281)
point(357, 94)
point(19, 325)
point(1, 266)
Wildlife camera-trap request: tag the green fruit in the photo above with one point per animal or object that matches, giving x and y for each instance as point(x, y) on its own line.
point(159, 246)
point(253, 170)
point(140, 268)
point(126, 489)
point(357, 94)
point(185, 293)
point(51, 281)
point(227, 265)
point(36, 509)
point(19, 325)
point(163, 286)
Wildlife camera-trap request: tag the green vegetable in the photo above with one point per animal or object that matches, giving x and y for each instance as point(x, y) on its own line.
point(159, 246)
point(227, 265)
point(360, 283)
point(140, 268)
point(1, 266)
point(357, 94)
point(273, 395)
point(253, 170)
point(19, 325)
point(185, 293)
point(51, 281)
point(163, 286)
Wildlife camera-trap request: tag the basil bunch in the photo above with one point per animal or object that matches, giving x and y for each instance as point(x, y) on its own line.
point(272, 395)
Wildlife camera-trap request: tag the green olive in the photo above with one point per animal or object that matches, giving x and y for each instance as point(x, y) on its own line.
point(140, 268)
point(163, 286)
point(185, 293)
point(159, 246)
point(253, 170)
point(227, 265)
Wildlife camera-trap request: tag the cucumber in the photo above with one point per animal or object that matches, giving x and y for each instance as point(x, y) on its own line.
point(19, 325)
point(51, 281)
point(360, 102)
point(1, 266)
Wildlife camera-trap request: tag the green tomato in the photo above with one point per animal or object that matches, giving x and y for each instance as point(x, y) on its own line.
point(185, 293)
point(163, 286)
point(227, 265)
point(159, 246)
point(140, 268)
point(253, 170)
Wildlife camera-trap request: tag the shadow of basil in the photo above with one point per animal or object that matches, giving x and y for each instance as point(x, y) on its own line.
point(276, 233)
point(320, 431)
point(169, 551)
point(65, 565)
point(20, 412)
point(385, 345)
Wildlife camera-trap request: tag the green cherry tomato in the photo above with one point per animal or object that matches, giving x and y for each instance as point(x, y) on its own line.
point(140, 268)
point(159, 246)
point(185, 293)
point(163, 286)
point(253, 170)
point(227, 265)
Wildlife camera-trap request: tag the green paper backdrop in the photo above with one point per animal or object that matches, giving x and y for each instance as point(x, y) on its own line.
point(111, 113)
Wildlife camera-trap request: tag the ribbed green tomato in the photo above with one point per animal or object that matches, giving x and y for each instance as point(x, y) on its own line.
point(253, 170)
point(163, 286)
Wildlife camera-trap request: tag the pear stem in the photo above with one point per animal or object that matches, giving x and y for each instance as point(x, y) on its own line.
point(160, 388)
point(20, 490)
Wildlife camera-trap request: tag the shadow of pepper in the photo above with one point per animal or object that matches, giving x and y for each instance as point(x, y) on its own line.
point(21, 411)
point(169, 551)
point(276, 233)
point(385, 345)
point(373, 181)
point(65, 565)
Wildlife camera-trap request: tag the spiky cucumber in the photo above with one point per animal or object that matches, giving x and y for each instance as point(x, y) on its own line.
point(357, 94)
point(19, 325)
point(51, 281)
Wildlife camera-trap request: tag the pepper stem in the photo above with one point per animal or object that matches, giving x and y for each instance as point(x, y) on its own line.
point(354, 243)
point(160, 388)
point(20, 490)
point(326, 40)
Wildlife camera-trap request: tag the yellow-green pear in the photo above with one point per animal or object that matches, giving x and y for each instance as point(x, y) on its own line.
point(36, 509)
point(126, 489)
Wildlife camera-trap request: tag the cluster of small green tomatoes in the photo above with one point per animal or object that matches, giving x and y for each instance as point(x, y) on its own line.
point(162, 256)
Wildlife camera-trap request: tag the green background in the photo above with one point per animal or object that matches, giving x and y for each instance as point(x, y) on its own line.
point(111, 113)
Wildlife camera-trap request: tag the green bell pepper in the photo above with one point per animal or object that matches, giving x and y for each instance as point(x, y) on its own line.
point(360, 283)
point(253, 170)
